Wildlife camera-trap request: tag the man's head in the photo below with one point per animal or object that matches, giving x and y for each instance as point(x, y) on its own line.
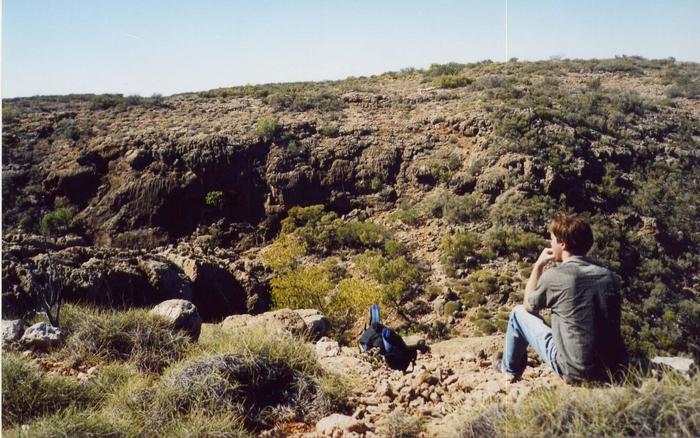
point(571, 233)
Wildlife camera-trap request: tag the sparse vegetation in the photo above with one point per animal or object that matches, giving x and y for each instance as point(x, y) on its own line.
point(656, 408)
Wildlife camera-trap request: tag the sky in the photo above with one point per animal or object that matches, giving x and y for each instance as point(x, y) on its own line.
point(156, 46)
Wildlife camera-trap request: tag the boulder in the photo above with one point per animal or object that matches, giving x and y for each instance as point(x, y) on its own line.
point(327, 347)
point(42, 336)
point(183, 314)
point(167, 278)
point(317, 324)
point(12, 330)
point(338, 422)
point(283, 319)
point(685, 366)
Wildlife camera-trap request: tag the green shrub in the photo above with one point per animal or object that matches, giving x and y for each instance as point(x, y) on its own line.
point(9, 115)
point(268, 128)
point(452, 81)
point(483, 282)
point(283, 254)
point(397, 277)
point(361, 235)
point(302, 217)
point(329, 130)
point(305, 288)
point(409, 216)
point(459, 250)
point(506, 240)
point(56, 221)
point(451, 68)
point(530, 213)
point(485, 327)
point(456, 209)
point(135, 336)
point(215, 199)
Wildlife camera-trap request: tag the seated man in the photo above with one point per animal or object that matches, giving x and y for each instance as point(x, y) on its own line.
point(584, 342)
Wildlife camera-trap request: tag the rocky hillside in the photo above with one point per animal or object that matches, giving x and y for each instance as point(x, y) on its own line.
point(433, 189)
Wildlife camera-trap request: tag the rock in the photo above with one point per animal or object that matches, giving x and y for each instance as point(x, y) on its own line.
point(42, 336)
point(287, 319)
point(183, 314)
point(682, 365)
point(12, 330)
point(339, 422)
point(284, 319)
point(167, 278)
point(327, 347)
point(317, 324)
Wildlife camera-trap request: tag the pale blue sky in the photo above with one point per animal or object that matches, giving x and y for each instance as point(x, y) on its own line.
point(156, 46)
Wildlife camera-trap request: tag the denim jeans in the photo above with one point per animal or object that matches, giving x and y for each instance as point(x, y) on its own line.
point(525, 328)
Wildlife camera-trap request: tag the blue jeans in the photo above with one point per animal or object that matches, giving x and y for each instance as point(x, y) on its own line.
point(525, 328)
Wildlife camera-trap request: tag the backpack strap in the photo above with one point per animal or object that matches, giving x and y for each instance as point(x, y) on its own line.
point(386, 334)
point(373, 314)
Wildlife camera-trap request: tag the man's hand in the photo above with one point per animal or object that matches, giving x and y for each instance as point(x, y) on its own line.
point(546, 256)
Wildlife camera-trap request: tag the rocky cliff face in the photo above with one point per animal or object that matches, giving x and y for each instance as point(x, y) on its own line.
point(523, 138)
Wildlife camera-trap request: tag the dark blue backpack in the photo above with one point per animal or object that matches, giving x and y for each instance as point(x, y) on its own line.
point(397, 354)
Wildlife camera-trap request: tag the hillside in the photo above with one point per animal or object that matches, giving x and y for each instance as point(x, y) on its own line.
point(428, 191)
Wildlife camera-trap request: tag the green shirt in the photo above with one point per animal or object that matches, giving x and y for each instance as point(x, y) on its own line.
point(586, 305)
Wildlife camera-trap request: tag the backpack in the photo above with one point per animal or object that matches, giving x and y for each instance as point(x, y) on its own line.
point(395, 351)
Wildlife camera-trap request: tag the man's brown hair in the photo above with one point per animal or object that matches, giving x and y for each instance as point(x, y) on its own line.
point(572, 230)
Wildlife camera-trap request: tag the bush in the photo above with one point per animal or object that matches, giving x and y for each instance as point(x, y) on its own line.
point(361, 235)
point(483, 282)
point(456, 209)
point(9, 115)
point(459, 250)
point(398, 424)
point(28, 392)
point(305, 288)
point(409, 216)
point(397, 276)
point(56, 221)
point(215, 199)
point(666, 407)
point(349, 304)
point(451, 68)
point(268, 128)
point(284, 253)
point(329, 130)
point(530, 213)
point(452, 81)
point(135, 336)
point(506, 240)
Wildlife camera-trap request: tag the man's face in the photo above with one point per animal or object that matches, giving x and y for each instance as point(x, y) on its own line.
point(557, 247)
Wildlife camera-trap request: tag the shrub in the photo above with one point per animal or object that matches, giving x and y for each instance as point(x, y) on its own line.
point(398, 424)
point(135, 336)
point(268, 128)
point(305, 288)
point(329, 130)
point(459, 250)
point(215, 199)
point(349, 304)
point(361, 235)
point(451, 68)
point(409, 216)
point(397, 276)
point(284, 253)
point(657, 408)
point(56, 221)
point(483, 282)
point(530, 213)
point(452, 81)
point(302, 216)
point(9, 115)
point(456, 209)
point(506, 240)
point(28, 392)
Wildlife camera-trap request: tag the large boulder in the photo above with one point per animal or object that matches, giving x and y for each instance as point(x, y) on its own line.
point(284, 319)
point(317, 324)
point(183, 314)
point(12, 330)
point(682, 365)
point(42, 336)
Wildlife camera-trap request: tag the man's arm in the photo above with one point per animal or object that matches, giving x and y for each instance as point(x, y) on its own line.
point(545, 257)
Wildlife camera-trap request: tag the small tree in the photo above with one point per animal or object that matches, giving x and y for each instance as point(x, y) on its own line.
point(48, 293)
point(215, 199)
